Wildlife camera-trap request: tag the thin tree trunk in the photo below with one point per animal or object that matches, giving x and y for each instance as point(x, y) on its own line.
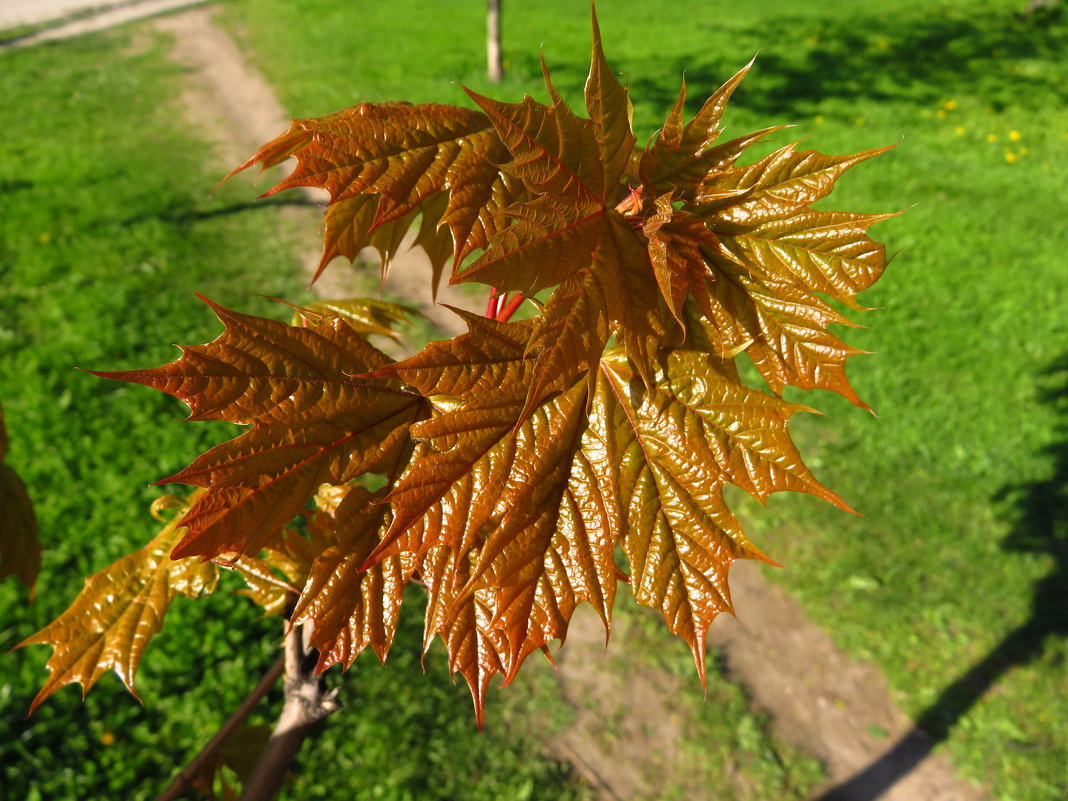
point(306, 703)
point(494, 58)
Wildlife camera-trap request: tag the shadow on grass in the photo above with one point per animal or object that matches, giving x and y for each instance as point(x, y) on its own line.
point(188, 216)
point(1041, 527)
point(918, 57)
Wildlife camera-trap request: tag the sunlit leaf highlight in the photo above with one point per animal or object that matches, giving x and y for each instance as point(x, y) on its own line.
point(512, 464)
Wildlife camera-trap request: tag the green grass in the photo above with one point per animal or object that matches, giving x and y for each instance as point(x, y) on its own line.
point(106, 230)
point(957, 478)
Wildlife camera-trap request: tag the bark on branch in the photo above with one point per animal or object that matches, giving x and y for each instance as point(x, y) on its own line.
point(306, 703)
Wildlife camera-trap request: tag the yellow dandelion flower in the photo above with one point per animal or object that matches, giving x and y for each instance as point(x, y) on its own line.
point(1014, 136)
point(819, 119)
point(941, 114)
point(1010, 157)
point(959, 130)
point(107, 738)
point(43, 238)
point(950, 105)
point(991, 137)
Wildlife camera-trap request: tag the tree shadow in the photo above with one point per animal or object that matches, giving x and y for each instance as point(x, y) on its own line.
point(1041, 527)
point(919, 57)
point(186, 215)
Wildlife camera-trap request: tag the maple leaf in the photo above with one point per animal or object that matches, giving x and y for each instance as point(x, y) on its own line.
point(520, 456)
point(476, 651)
point(117, 613)
point(364, 315)
point(478, 464)
point(350, 608)
point(550, 499)
point(20, 549)
point(572, 233)
point(277, 573)
point(383, 163)
point(313, 422)
point(538, 509)
point(776, 255)
point(666, 453)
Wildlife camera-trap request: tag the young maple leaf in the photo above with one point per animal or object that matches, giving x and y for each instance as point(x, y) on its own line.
point(495, 485)
point(537, 504)
point(117, 613)
point(520, 456)
point(352, 608)
point(384, 163)
point(313, 422)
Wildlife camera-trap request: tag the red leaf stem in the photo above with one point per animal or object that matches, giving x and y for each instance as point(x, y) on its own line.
point(505, 314)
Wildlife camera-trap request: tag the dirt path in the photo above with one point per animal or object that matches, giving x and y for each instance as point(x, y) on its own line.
point(231, 104)
point(64, 19)
point(822, 700)
point(819, 699)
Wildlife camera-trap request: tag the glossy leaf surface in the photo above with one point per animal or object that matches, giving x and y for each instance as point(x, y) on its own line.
point(118, 612)
point(514, 461)
point(313, 421)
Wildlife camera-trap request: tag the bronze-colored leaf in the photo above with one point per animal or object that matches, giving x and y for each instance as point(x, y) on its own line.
point(118, 612)
point(667, 451)
point(611, 113)
point(384, 162)
point(487, 371)
point(277, 573)
point(314, 422)
point(519, 456)
point(260, 369)
point(350, 609)
point(20, 549)
point(682, 155)
point(266, 588)
point(476, 651)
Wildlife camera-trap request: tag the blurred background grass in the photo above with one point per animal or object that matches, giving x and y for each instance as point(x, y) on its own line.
point(106, 229)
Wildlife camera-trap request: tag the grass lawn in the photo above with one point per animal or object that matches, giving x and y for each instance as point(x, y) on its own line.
point(962, 542)
point(105, 232)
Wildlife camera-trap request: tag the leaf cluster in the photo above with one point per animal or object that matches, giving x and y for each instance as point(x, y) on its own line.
point(520, 458)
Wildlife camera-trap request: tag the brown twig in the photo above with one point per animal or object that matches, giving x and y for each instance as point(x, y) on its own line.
point(306, 703)
point(186, 776)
